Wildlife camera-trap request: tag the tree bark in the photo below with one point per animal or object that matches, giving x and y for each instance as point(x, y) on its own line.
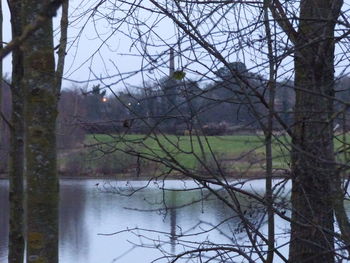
point(313, 166)
point(1, 69)
point(268, 137)
point(40, 115)
point(16, 161)
point(1, 88)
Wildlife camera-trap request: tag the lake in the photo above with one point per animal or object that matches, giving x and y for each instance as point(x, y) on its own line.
point(91, 208)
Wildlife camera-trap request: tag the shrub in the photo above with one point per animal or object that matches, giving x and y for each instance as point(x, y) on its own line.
point(215, 128)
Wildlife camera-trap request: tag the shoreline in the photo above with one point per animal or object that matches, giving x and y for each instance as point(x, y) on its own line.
point(132, 177)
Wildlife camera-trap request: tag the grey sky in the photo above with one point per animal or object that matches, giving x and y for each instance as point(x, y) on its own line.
point(95, 54)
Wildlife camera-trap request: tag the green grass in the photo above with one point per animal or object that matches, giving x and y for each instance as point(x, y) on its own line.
point(234, 152)
point(108, 154)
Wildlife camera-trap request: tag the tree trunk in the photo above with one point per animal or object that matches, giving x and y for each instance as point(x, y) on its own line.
point(268, 137)
point(313, 168)
point(16, 194)
point(40, 115)
point(2, 128)
point(1, 72)
point(62, 45)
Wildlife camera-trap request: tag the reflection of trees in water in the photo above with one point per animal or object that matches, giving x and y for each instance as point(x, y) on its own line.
point(173, 213)
point(72, 228)
point(185, 214)
point(4, 226)
point(195, 218)
point(212, 222)
point(248, 210)
point(73, 231)
point(198, 216)
point(233, 222)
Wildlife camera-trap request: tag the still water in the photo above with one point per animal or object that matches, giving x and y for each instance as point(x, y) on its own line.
point(91, 208)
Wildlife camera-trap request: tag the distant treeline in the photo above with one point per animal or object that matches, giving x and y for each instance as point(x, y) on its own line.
point(231, 104)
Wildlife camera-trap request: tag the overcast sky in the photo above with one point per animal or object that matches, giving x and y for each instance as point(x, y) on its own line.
point(105, 52)
point(97, 53)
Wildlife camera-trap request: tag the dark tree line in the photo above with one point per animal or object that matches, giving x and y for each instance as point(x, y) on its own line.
point(174, 106)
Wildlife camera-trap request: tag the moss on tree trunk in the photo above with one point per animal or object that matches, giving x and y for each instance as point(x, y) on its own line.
point(40, 115)
point(16, 165)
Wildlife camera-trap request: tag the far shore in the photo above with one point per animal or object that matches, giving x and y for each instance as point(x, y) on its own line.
point(133, 177)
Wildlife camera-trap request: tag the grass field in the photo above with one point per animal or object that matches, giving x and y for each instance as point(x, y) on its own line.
point(234, 153)
point(110, 154)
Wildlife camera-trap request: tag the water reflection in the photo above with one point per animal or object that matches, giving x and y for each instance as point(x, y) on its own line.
point(89, 208)
point(173, 212)
point(74, 237)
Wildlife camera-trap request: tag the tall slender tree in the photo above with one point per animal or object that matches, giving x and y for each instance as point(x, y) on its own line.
point(62, 45)
point(39, 83)
point(1, 64)
point(1, 72)
point(16, 165)
point(268, 135)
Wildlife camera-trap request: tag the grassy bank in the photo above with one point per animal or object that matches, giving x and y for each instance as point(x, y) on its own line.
point(117, 154)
